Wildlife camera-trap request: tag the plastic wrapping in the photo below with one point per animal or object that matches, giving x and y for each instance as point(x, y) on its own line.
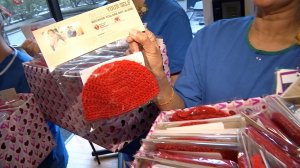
point(251, 155)
point(257, 160)
point(243, 161)
point(68, 74)
point(212, 130)
point(196, 137)
point(273, 149)
point(108, 91)
point(285, 119)
point(182, 137)
point(255, 155)
point(230, 121)
point(265, 121)
point(189, 160)
point(59, 95)
point(25, 138)
point(252, 106)
point(274, 135)
point(68, 77)
point(146, 162)
point(291, 129)
point(277, 103)
point(226, 149)
point(196, 113)
point(214, 138)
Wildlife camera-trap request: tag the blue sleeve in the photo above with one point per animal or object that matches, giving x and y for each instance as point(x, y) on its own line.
point(177, 38)
point(189, 85)
point(21, 83)
point(14, 77)
point(24, 57)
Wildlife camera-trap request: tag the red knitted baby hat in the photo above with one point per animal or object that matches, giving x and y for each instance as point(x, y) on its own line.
point(117, 88)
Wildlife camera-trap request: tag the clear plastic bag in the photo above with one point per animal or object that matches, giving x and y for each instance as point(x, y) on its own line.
point(146, 162)
point(243, 161)
point(269, 130)
point(178, 159)
point(266, 144)
point(254, 154)
point(265, 121)
point(283, 118)
point(231, 122)
point(197, 113)
point(195, 137)
point(59, 95)
point(68, 74)
point(227, 150)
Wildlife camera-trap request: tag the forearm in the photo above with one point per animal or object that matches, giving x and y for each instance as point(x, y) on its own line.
point(146, 42)
point(167, 99)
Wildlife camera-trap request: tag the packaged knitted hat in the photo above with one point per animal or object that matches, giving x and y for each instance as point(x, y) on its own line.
point(117, 88)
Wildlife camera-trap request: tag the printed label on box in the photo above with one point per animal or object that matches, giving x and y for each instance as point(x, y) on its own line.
point(70, 38)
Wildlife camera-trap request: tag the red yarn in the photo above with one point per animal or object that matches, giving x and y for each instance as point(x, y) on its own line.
point(117, 88)
point(242, 160)
point(276, 136)
point(257, 161)
point(197, 113)
point(226, 153)
point(272, 148)
point(196, 160)
point(288, 127)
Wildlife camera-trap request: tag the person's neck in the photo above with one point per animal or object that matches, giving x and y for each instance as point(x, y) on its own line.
point(5, 50)
point(273, 31)
point(277, 23)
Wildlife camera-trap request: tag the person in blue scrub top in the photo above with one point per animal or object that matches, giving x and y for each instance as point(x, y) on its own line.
point(229, 59)
point(12, 76)
point(167, 20)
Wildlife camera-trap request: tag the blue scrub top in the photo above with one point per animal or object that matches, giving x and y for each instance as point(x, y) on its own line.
point(221, 65)
point(167, 20)
point(14, 77)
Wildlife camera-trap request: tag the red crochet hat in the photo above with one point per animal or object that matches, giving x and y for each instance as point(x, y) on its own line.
point(117, 88)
